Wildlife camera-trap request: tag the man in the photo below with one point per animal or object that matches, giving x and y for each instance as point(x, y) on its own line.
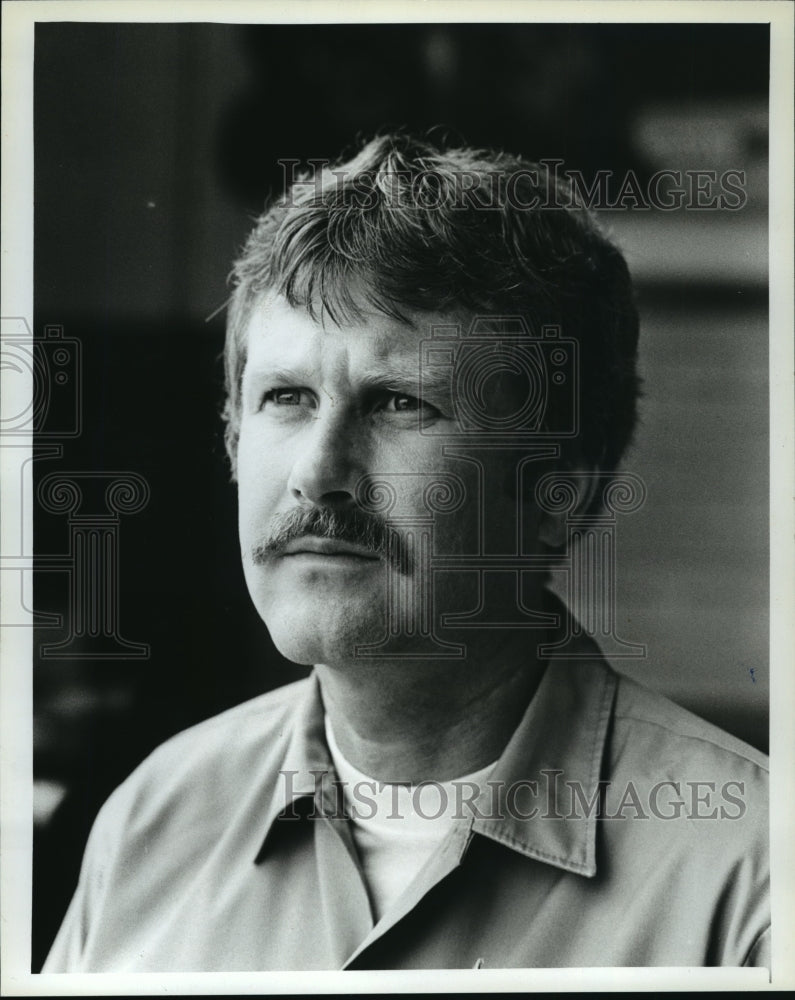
point(431, 375)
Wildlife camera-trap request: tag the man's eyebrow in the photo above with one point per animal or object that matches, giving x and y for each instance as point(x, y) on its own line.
point(432, 380)
point(273, 372)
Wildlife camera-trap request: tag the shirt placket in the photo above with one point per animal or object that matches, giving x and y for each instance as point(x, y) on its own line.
point(342, 890)
point(445, 860)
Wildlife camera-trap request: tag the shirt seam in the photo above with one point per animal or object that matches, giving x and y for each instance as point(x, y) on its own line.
point(533, 852)
point(597, 751)
point(692, 736)
point(584, 860)
point(755, 944)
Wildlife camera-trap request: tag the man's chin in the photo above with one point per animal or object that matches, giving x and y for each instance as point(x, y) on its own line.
point(308, 639)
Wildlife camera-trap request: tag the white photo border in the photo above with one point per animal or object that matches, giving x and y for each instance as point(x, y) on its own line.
point(19, 19)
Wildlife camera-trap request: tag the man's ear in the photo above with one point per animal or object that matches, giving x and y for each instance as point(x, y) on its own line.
point(552, 527)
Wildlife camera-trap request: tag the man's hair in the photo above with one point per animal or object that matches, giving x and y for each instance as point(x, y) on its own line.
point(408, 225)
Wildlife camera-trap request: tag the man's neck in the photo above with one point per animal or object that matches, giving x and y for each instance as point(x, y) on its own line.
point(412, 721)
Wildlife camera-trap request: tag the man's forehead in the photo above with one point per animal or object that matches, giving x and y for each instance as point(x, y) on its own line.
point(274, 325)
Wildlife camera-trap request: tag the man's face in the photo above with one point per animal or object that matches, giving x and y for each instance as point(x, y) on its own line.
point(327, 411)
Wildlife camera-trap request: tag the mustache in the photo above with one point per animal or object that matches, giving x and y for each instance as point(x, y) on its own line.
point(351, 525)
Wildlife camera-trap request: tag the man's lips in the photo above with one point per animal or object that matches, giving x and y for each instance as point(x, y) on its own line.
point(332, 547)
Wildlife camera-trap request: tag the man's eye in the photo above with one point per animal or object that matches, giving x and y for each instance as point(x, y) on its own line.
point(403, 403)
point(284, 397)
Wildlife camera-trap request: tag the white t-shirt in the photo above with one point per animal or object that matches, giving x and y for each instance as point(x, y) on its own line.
point(397, 827)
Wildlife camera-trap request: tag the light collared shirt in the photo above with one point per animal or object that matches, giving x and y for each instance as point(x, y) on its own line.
point(396, 827)
point(616, 829)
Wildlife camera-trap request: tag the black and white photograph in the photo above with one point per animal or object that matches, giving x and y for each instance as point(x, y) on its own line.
point(397, 497)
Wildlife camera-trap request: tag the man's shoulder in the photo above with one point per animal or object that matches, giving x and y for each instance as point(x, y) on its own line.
point(684, 819)
point(205, 768)
point(251, 723)
point(643, 716)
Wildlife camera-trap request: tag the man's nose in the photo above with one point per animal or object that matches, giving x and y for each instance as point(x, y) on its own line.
point(328, 462)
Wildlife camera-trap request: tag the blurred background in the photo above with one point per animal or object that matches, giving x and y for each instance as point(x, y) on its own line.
point(155, 145)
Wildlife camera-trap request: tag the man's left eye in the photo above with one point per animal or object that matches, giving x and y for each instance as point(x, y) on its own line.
point(404, 402)
point(401, 402)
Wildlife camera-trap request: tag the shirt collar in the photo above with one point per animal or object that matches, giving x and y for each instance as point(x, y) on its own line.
point(559, 745)
point(543, 794)
point(306, 767)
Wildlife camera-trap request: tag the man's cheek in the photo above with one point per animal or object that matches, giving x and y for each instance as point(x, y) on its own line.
point(253, 520)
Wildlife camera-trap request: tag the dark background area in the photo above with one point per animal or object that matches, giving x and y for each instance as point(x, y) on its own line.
point(155, 145)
